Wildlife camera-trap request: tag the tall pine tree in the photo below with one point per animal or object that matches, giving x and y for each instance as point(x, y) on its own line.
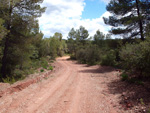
point(20, 18)
point(129, 17)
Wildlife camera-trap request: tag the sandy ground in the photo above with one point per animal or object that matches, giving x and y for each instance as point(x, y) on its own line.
point(71, 88)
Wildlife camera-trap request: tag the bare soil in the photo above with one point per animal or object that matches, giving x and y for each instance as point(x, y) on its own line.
point(70, 88)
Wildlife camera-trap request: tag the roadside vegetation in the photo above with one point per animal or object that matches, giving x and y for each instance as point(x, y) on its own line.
point(126, 48)
point(130, 51)
point(23, 49)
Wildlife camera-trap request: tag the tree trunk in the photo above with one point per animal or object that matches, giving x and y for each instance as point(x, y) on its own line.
point(140, 21)
point(4, 60)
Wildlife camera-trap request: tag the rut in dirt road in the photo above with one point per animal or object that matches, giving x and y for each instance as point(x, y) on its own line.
point(72, 88)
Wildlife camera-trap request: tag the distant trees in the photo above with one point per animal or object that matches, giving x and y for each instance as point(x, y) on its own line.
point(131, 55)
point(89, 50)
point(82, 35)
point(129, 17)
point(57, 46)
point(98, 38)
point(77, 39)
point(52, 47)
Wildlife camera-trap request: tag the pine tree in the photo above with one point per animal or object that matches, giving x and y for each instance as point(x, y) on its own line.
point(20, 20)
point(82, 35)
point(99, 38)
point(3, 31)
point(129, 17)
point(77, 38)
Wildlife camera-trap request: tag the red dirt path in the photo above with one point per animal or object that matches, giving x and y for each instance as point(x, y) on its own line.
point(72, 88)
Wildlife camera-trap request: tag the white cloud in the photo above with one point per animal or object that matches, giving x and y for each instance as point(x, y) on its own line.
point(62, 15)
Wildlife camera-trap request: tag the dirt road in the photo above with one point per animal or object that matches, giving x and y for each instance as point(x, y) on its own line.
point(72, 88)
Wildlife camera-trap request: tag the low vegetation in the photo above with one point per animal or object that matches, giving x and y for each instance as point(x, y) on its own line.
point(131, 55)
point(130, 52)
point(23, 49)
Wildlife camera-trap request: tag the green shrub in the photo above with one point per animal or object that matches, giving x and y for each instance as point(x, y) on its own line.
point(12, 79)
point(45, 67)
point(44, 64)
point(35, 64)
point(81, 56)
point(9, 80)
point(142, 101)
point(124, 77)
point(135, 58)
point(27, 72)
point(108, 59)
point(50, 67)
point(148, 110)
point(42, 70)
point(92, 55)
point(60, 53)
point(18, 73)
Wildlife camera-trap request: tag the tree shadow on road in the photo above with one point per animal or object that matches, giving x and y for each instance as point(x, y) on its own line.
point(97, 69)
point(131, 95)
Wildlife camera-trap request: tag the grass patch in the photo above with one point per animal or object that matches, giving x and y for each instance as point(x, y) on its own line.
point(45, 67)
point(50, 67)
point(141, 101)
point(27, 69)
point(12, 79)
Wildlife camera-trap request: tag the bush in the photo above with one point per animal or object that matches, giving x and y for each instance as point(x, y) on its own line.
point(50, 67)
point(42, 70)
point(9, 80)
point(109, 58)
point(72, 57)
point(92, 55)
point(35, 64)
point(12, 79)
point(44, 63)
point(45, 67)
point(135, 58)
point(80, 56)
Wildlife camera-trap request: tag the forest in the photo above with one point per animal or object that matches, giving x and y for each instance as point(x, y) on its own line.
point(23, 47)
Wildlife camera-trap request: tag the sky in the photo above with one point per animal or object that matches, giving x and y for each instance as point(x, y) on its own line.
point(62, 15)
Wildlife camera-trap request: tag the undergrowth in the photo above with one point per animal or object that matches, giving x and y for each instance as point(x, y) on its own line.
point(27, 69)
point(12, 79)
point(129, 79)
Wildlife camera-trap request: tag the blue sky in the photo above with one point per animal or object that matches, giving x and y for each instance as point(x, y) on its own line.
point(93, 9)
point(62, 15)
